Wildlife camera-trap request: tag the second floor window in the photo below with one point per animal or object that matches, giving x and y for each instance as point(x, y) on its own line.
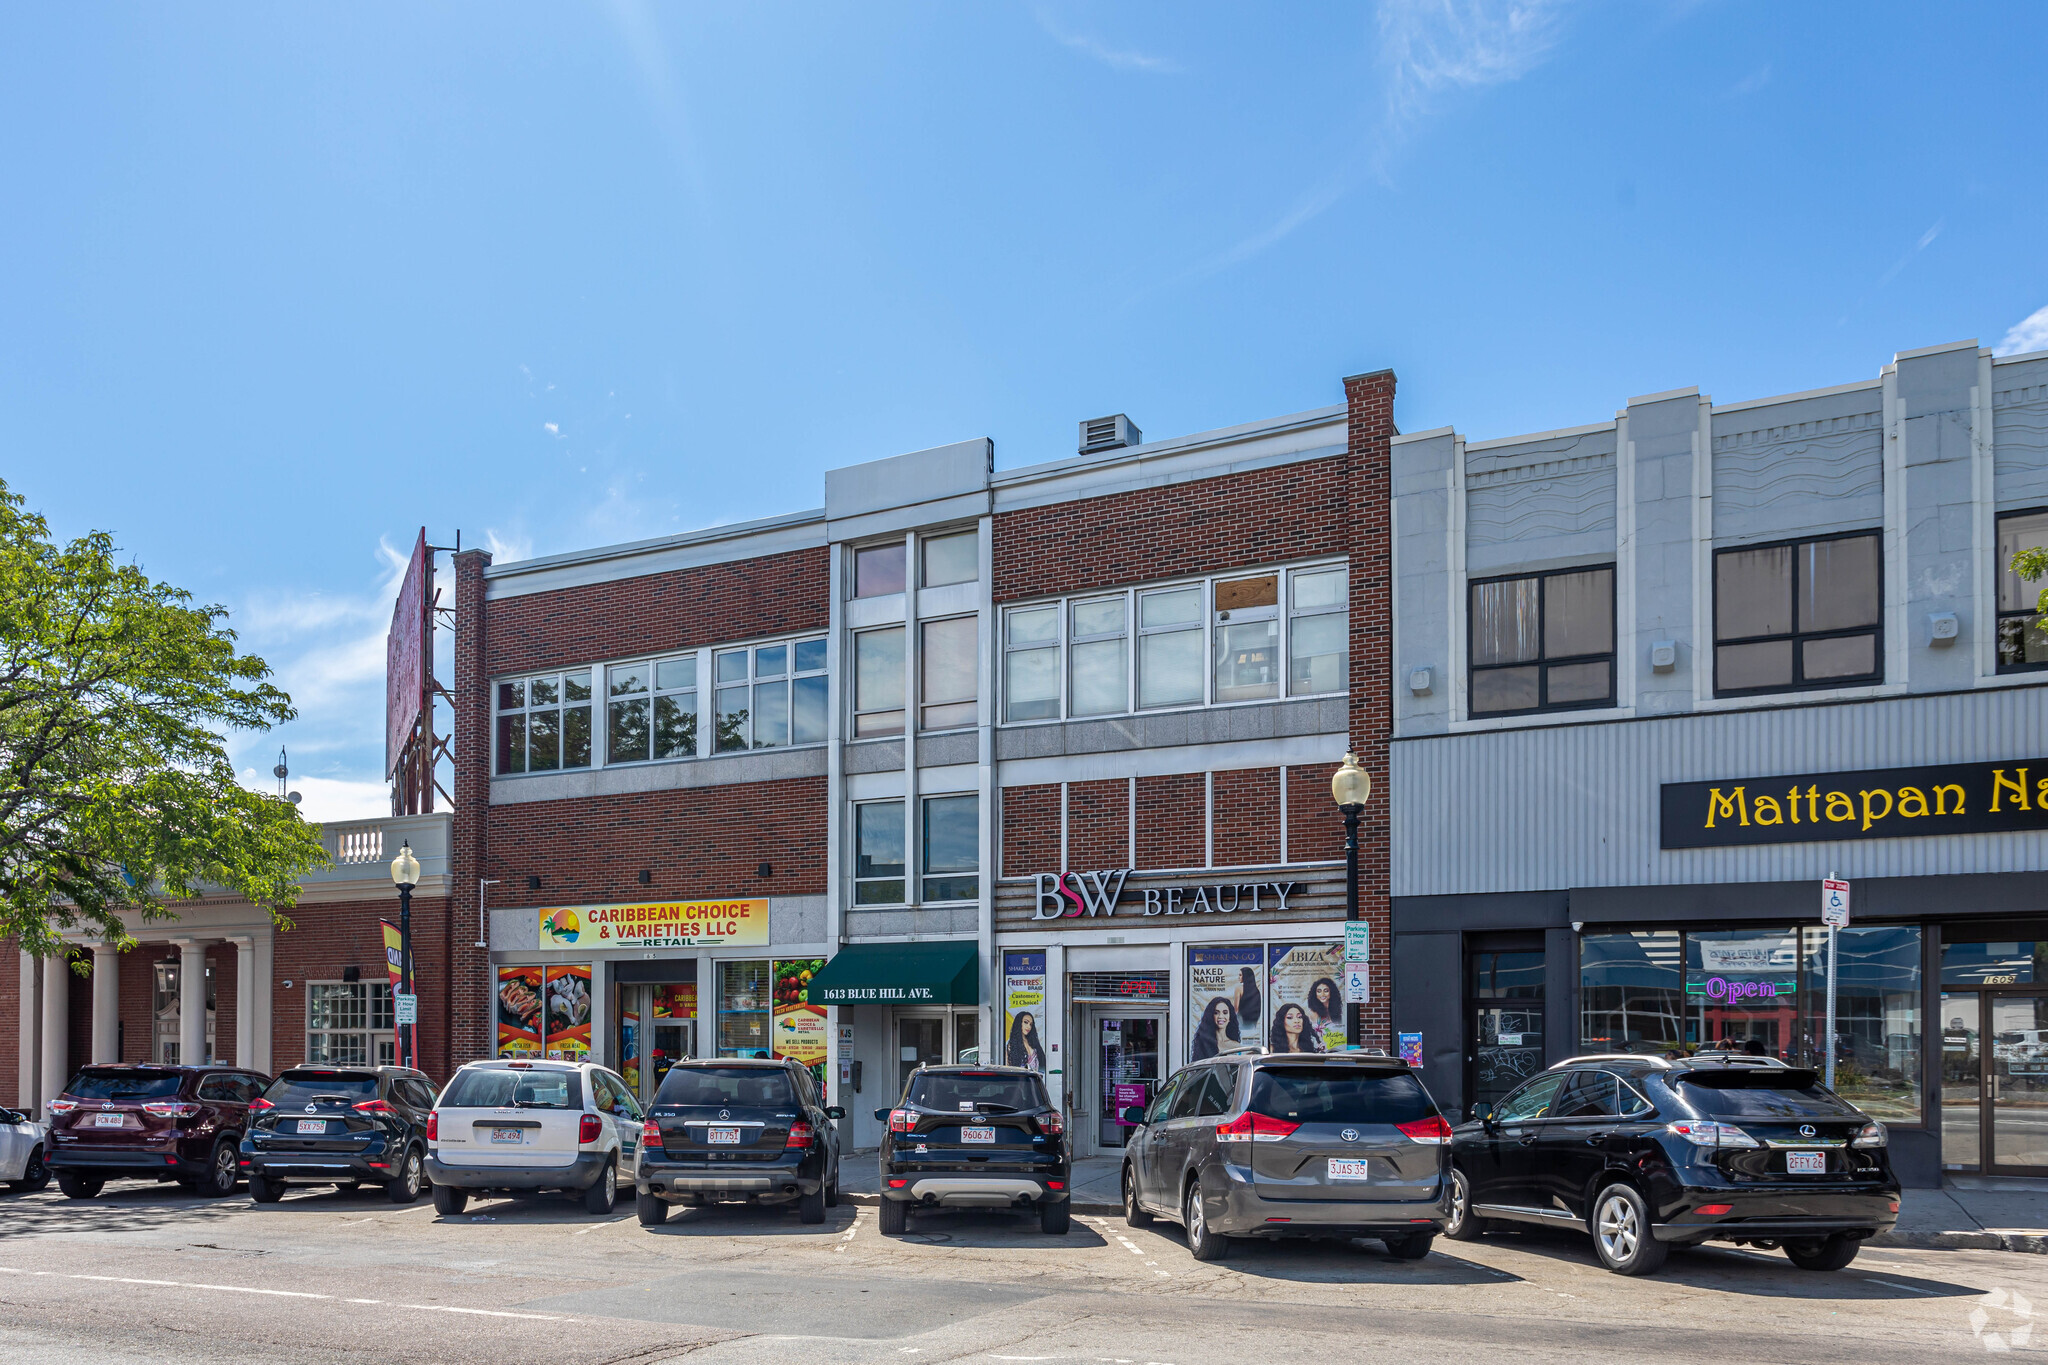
point(878, 872)
point(768, 696)
point(1542, 642)
point(948, 669)
point(878, 682)
point(651, 710)
point(544, 722)
point(1799, 615)
point(2022, 630)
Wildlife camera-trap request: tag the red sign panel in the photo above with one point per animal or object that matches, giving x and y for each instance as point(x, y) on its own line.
point(407, 656)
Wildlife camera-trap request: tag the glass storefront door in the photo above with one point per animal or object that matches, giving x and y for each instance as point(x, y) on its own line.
point(1504, 1003)
point(1962, 1083)
point(934, 1038)
point(1125, 1049)
point(1994, 1081)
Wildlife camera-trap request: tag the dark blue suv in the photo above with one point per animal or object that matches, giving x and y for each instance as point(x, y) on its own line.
point(1645, 1154)
point(337, 1125)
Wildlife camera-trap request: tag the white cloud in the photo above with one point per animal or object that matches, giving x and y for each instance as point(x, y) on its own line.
point(2030, 333)
point(1926, 240)
point(507, 546)
point(551, 428)
point(1430, 47)
point(1122, 59)
point(325, 798)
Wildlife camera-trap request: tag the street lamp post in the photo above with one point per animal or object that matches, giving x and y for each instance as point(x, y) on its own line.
point(1351, 788)
point(405, 871)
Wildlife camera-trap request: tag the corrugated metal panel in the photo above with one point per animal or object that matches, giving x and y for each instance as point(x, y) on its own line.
point(1560, 806)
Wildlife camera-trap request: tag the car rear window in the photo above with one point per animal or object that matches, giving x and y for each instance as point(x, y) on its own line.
point(1766, 1093)
point(964, 1091)
point(304, 1087)
point(728, 1087)
point(1328, 1094)
point(123, 1085)
point(497, 1088)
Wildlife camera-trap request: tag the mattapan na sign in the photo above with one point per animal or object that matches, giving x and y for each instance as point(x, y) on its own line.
point(1883, 803)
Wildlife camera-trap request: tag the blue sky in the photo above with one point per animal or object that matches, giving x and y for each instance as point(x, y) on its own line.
point(284, 283)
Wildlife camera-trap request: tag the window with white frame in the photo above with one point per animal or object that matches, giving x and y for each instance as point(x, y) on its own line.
point(951, 559)
point(878, 868)
point(951, 849)
point(878, 682)
point(651, 709)
point(544, 722)
point(349, 1023)
point(948, 665)
point(769, 696)
point(1216, 641)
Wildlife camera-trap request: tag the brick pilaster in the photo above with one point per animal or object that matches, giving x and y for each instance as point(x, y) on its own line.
point(1370, 400)
point(469, 984)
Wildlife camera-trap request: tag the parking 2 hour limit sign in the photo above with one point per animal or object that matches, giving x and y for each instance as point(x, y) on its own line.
point(1834, 903)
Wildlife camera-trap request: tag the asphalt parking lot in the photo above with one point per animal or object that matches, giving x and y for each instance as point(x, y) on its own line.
point(147, 1273)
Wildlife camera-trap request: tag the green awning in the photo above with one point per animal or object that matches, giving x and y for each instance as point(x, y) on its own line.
point(900, 974)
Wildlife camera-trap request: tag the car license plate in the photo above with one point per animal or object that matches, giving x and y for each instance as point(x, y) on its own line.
point(509, 1135)
point(312, 1125)
point(1806, 1163)
point(1342, 1168)
point(977, 1135)
point(108, 1121)
point(722, 1137)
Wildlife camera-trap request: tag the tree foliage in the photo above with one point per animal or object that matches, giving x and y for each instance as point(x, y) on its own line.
point(116, 791)
point(2030, 565)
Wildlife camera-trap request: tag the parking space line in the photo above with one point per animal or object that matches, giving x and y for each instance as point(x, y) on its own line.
point(585, 1232)
point(846, 1239)
point(1907, 1287)
point(284, 1294)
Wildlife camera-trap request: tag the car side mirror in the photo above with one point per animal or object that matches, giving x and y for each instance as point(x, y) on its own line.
point(833, 1111)
point(1482, 1113)
point(881, 1116)
point(1135, 1116)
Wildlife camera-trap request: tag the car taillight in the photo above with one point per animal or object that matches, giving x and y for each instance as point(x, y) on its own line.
point(1714, 1210)
point(589, 1128)
point(1701, 1133)
point(259, 1104)
point(170, 1109)
point(434, 1126)
point(1255, 1128)
point(374, 1107)
point(1052, 1122)
point(902, 1121)
point(1870, 1135)
point(799, 1135)
point(63, 1106)
point(1432, 1129)
point(650, 1134)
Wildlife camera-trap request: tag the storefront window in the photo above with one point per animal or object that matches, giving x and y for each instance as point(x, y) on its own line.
point(2016, 963)
point(1631, 993)
point(1742, 988)
point(1877, 1017)
point(743, 995)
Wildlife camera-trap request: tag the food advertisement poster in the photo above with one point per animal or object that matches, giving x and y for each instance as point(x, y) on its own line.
point(519, 1011)
point(659, 924)
point(1306, 1013)
point(1226, 995)
point(568, 1010)
point(676, 1000)
point(1411, 1048)
point(797, 1029)
point(1023, 1007)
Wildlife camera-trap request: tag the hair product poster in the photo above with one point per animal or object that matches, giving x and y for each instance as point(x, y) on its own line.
point(1226, 994)
point(519, 1011)
point(1023, 1010)
point(568, 1004)
point(1307, 1009)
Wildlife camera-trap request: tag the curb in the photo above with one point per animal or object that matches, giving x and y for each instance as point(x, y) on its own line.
point(2035, 1243)
point(1089, 1206)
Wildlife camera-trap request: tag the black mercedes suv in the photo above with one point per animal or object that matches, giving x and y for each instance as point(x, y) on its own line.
point(1646, 1154)
point(974, 1136)
point(744, 1131)
point(339, 1125)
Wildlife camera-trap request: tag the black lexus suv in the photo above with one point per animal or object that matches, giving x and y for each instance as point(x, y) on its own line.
point(340, 1125)
point(974, 1136)
point(1646, 1154)
point(742, 1131)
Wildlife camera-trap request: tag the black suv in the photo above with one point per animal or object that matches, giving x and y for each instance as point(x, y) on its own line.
point(975, 1136)
point(1645, 1154)
point(340, 1125)
point(752, 1131)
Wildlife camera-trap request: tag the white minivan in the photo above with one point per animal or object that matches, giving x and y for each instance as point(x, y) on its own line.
point(513, 1126)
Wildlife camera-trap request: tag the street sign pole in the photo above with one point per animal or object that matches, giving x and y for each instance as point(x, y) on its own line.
point(1834, 913)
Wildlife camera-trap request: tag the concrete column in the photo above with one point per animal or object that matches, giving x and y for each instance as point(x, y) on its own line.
point(191, 1002)
point(106, 1002)
point(257, 1001)
point(245, 1000)
point(56, 1029)
point(28, 1034)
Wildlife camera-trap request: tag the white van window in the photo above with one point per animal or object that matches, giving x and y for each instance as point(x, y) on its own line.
point(514, 1090)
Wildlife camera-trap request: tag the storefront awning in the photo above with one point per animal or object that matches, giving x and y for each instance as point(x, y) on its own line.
point(900, 974)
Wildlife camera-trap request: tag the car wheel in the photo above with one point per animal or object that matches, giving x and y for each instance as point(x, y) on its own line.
point(265, 1191)
point(603, 1194)
point(1055, 1218)
point(895, 1217)
point(404, 1187)
point(1462, 1226)
point(811, 1207)
point(1204, 1242)
point(449, 1200)
point(80, 1186)
point(832, 1192)
point(1830, 1253)
point(1133, 1215)
point(221, 1174)
point(1621, 1232)
point(34, 1175)
point(653, 1211)
point(1413, 1247)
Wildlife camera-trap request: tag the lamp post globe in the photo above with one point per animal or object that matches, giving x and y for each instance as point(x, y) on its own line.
point(1351, 788)
point(1350, 785)
point(405, 871)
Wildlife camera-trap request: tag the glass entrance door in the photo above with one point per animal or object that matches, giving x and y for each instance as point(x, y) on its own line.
point(657, 1029)
point(1504, 1002)
point(1994, 1082)
point(1126, 1047)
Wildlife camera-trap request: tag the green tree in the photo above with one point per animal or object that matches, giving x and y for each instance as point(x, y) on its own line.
point(116, 791)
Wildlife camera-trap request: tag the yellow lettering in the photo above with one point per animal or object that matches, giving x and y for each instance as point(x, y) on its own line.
point(1813, 805)
point(1848, 807)
point(1941, 798)
point(1729, 807)
point(1912, 803)
point(1768, 805)
point(2001, 783)
point(1867, 816)
point(1792, 802)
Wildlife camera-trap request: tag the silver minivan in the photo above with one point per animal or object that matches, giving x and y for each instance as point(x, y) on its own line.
point(1345, 1144)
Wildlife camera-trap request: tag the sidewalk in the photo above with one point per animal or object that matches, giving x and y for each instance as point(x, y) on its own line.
point(1097, 1187)
point(1973, 1213)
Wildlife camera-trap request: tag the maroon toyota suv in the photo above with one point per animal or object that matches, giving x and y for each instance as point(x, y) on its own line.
point(149, 1122)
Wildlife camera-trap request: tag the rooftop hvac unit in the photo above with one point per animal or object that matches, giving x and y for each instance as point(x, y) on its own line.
point(1109, 433)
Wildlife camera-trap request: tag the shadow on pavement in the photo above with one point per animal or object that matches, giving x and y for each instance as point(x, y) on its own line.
point(991, 1228)
point(746, 1220)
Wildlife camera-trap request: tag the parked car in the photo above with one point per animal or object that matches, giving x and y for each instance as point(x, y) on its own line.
point(1347, 1144)
point(975, 1136)
point(23, 1145)
point(1646, 1154)
point(518, 1126)
point(343, 1126)
point(152, 1122)
point(732, 1130)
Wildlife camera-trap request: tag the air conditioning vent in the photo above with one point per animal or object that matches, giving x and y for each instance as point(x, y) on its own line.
point(1109, 433)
